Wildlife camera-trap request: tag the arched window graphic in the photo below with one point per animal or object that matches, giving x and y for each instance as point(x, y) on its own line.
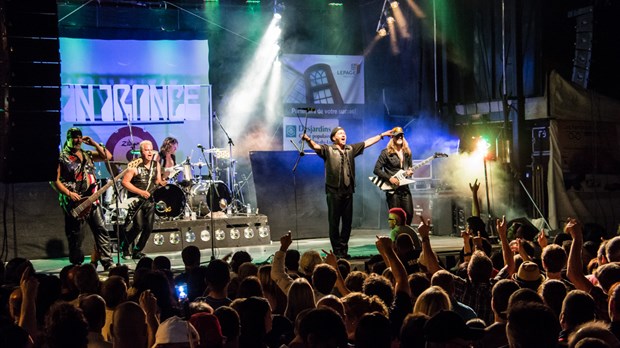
point(320, 85)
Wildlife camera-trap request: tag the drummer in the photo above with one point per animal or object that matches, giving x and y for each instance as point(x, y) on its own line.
point(167, 156)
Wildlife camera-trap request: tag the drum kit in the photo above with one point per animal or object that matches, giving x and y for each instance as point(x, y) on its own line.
point(188, 194)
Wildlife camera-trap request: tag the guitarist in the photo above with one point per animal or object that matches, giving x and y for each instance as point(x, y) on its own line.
point(75, 180)
point(140, 182)
point(396, 156)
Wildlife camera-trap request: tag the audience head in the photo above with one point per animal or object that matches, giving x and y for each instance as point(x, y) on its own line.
point(553, 258)
point(612, 249)
point(145, 262)
point(309, 260)
point(300, 296)
point(529, 276)
point(208, 327)
point(114, 291)
point(479, 268)
point(217, 275)
point(381, 287)
point(129, 325)
point(449, 328)
point(608, 274)
point(373, 331)
point(175, 332)
point(65, 326)
point(238, 258)
point(531, 325)
point(291, 260)
point(578, 308)
point(344, 266)
point(323, 327)
point(614, 302)
point(524, 295)
point(333, 302)
point(553, 292)
point(250, 286)
point(229, 322)
point(191, 256)
point(431, 301)
point(247, 269)
point(355, 280)
point(324, 278)
point(412, 330)
point(161, 263)
point(444, 280)
point(357, 304)
point(403, 244)
point(87, 279)
point(399, 215)
point(254, 318)
point(93, 308)
point(593, 330)
point(500, 295)
point(121, 271)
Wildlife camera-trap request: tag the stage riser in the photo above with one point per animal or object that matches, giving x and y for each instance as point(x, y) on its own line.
point(167, 228)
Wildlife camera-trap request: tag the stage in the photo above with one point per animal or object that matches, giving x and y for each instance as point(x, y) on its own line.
point(361, 247)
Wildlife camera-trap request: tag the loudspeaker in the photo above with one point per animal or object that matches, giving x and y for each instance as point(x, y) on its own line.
point(30, 91)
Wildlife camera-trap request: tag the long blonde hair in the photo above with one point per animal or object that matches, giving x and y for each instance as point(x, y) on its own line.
point(391, 147)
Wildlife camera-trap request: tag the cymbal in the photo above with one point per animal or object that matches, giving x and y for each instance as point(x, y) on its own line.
point(199, 164)
point(215, 149)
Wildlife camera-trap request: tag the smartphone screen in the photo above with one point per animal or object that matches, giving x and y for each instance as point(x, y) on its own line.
point(181, 291)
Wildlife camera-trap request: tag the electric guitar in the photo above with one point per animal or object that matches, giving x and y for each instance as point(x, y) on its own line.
point(401, 175)
point(81, 208)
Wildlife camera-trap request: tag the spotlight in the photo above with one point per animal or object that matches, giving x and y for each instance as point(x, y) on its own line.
point(394, 4)
point(175, 238)
point(190, 236)
point(382, 32)
point(220, 234)
point(234, 233)
point(248, 232)
point(158, 239)
point(264, 231)
point(205, 235)
point(390, 19)
point(278, 8)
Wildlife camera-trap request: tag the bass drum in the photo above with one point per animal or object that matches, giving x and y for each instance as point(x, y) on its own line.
point(169, 201)
point(200, 199)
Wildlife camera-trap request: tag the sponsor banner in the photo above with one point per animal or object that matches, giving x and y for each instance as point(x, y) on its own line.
point(318, 129)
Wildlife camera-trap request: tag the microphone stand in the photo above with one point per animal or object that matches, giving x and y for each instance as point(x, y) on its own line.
point(210, 193)
point(231, 171)
point(300, 149)
point(118, 211)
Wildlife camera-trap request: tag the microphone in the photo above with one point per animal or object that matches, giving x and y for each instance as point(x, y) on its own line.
point(306, 109)
point(201, 147)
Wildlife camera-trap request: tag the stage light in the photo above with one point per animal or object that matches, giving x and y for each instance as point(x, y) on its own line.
point(394, 4)
point(205, 235)
point(264, 231)
point(220, 234)
point(234, 233)
point(278, 8)
point(175, 238)
point(390, 20)
point(382, 32)
point(482, 147)
point(158, 239)
point(190, 236)
point(248, 232)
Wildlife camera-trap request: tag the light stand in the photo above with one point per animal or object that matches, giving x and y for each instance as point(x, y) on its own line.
point(300, 149)
point(232, 181)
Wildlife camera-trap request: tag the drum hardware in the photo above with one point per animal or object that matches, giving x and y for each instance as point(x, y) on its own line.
point(169, 201)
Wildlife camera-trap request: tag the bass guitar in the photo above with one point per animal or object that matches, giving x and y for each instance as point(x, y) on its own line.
point(401, 175)
point(81, 208)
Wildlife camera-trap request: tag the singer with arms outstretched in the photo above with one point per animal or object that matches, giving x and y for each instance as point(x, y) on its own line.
point(339, 161)
point(141, 182)
point(75, 181)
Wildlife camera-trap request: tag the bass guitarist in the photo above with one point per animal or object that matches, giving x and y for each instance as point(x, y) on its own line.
point(396, 156)
point(140, 182)
point(75, 180)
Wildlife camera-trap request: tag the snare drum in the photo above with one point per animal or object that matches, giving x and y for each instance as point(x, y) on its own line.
point(169, 201)
point(200, 199)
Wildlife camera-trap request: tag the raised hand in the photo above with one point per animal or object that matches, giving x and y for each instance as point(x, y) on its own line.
point(148, 302)
point(286, 241)
point(502, 228)
point(424, 229)
point(475, 186)
point(383, 243)
point(28, 284)
point(478, 241)
point(330, 258)
point(542, 239)
point(574, 228)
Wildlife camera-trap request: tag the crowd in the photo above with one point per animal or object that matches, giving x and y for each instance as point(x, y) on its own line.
point(530, 293)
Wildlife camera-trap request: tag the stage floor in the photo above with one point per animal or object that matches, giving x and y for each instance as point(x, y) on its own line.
point(361, 247)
